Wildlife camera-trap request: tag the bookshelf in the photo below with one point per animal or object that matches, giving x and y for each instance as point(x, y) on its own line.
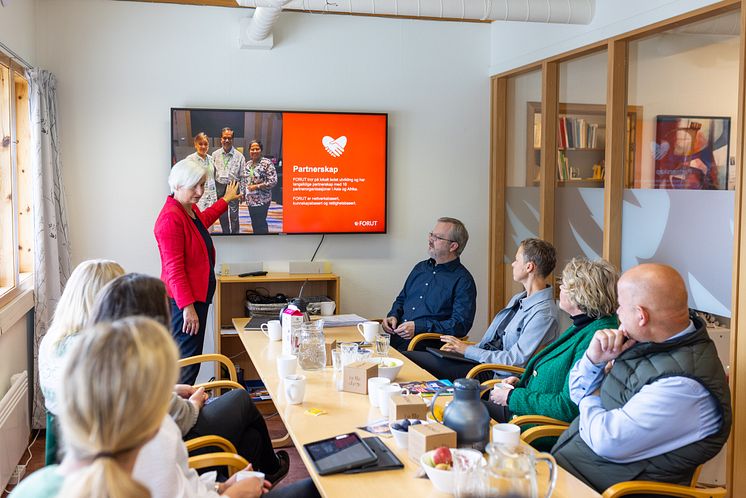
point(581, 143)
point(230, 299)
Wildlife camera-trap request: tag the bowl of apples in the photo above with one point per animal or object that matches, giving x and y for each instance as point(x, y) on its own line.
point(438, 465)
point(389, 368)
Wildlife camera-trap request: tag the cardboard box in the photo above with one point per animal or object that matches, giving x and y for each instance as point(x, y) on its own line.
point(406, 406)
point(426, 437)
point(330, 346)
point(356, 376)
point(309, 267)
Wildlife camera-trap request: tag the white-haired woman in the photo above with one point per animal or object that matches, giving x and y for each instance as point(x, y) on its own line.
point(188, 256)
point(70, 316)
point(103, 436)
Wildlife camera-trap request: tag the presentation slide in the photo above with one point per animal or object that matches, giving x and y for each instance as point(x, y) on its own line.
point(335, 172)
point(298, 172)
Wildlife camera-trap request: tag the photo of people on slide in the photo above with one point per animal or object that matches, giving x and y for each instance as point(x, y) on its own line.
point(333, 179)
point(235, 146)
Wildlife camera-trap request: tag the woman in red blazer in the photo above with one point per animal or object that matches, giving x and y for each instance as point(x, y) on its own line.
point(188, 256)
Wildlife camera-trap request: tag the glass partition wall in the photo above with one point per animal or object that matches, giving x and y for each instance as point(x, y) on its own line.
point(645, 170)
point(522, 150)
point(580, 171)
point(680, 207)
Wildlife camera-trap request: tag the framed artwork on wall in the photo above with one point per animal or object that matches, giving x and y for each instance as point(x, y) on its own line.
point(691, 152)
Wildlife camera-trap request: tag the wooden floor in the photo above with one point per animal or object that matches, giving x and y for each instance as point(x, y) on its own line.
point(274, 424)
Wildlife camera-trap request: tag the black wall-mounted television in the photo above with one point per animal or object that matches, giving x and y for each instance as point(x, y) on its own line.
point(316, 172)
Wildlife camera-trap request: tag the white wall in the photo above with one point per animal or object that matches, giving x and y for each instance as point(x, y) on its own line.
point(121, 65)
point(13, 353)
point(515, 44)
point(18, 28)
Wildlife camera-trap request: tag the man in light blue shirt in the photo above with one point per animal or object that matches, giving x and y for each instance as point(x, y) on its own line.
point(663, 408)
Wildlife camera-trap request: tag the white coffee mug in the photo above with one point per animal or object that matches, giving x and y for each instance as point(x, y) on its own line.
point(373, 384)
point(507, 434)
point(286, 365)
point(385, 391)
point(295, 388)
point(272, 329)
point(369, 330)
point(326, 308)
point(245, 474)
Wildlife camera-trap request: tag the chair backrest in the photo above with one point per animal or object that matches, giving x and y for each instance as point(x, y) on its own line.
point(233, 462)
point(201, 358)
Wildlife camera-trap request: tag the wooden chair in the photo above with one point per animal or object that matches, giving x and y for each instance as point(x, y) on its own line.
point(628, 487)
point(207, 441)
point(489, 384)
point(226, 384)
point(233, 462)
point(227, 457)
point(661, 488)
point(216, 384)
point(428, 336)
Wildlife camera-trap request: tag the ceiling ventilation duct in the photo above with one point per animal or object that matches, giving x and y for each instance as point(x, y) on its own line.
point(258, 30)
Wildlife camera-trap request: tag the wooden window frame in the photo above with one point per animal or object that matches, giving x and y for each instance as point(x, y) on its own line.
point(20, 248)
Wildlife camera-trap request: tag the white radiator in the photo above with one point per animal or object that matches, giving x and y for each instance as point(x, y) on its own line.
point(14, 426)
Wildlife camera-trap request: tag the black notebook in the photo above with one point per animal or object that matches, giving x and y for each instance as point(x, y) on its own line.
point(386, 458)
point(451, 355)
point(256, 322)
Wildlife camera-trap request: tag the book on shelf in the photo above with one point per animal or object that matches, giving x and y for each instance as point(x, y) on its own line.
point(537, 130)
point(577, 133)
point(563, 167)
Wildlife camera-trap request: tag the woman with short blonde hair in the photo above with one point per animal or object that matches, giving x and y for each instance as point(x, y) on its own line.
point(118, 381)
point(591, 285)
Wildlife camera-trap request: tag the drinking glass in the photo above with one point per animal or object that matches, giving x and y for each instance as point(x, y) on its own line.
point(336, 360)
point(382, 344)
point(349, 352)
point(364, 354)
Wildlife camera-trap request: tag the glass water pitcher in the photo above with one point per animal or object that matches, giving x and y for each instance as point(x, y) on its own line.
point(312, 346)
point(511, 471)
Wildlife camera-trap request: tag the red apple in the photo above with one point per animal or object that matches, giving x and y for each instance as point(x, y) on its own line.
point(442, 455)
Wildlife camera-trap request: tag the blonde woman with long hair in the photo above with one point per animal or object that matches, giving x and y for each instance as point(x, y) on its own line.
point(70, 317)
point(118, 381)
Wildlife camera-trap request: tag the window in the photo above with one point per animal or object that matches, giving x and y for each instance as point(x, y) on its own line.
point(16, 220)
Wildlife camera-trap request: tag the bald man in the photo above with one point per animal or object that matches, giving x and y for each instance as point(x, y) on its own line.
point(663, 408)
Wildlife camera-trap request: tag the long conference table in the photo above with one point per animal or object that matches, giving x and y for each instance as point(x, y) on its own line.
point(345, 412)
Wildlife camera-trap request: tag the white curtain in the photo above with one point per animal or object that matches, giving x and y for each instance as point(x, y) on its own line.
point(51, 235)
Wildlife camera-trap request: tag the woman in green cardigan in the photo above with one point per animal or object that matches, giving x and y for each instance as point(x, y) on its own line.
point(588, 295)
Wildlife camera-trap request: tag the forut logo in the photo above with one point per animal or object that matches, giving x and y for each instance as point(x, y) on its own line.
point(334, 146)
point(366, 223)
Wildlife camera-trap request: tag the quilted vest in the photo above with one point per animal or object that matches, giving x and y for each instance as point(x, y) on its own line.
point(693, 356)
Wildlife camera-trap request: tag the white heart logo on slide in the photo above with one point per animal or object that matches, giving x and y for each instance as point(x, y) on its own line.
point(335, 147)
